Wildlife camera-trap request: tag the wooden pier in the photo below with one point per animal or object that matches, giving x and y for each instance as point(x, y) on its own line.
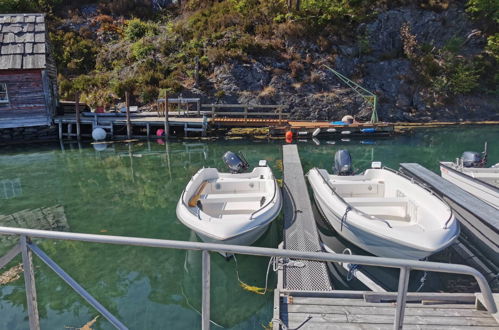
point(150, 122)
point(306, 299)
point(209, 117)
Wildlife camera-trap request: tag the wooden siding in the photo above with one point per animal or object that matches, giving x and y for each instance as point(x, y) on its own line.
point(27, 104)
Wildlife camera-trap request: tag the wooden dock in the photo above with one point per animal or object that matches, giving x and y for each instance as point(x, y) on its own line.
point(366, 310)
point(479, 221)
point(213, 117)
point(305, 297)
point(150, 122)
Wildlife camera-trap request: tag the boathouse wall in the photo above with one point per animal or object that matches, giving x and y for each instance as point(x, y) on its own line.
point(26, 105)
point(28, 83)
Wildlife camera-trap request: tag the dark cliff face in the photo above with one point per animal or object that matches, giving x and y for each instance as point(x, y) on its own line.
point(382, 68)
point(423, 64)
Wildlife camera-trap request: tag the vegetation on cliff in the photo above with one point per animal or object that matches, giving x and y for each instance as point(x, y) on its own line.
point(104, 48)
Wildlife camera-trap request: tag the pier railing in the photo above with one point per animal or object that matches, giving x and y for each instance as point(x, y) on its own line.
point(26, 247)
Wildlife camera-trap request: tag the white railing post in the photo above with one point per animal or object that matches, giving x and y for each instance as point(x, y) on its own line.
point(205, 311)
point(401, 297)
point(29, 282)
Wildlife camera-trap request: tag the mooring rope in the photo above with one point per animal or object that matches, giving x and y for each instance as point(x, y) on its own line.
point(344, 217)
point(252, 288)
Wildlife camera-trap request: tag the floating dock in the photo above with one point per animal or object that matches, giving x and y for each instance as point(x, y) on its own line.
point(305, 297)
point(300, 230)
point(479, 221)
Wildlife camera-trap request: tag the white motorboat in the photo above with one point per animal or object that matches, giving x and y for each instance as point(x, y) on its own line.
point(230, 208)
point(382, 211)
point(470, 174)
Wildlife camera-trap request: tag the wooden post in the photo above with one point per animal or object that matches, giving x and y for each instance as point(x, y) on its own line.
point(77, 109)
point(29, 282)
point(196, 70)
point(245, 113)
point(167, 124)
point(128, 124)
point(213, 111)
point(280, 115)
point(60, 129)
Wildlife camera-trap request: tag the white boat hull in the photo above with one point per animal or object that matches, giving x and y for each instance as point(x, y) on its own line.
point(483, 189)
point(392, 235)
point(233, 209)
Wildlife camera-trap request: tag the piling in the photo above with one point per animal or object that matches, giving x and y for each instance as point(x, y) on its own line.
point(167, 124)
point(128, 124)
point(77, 110)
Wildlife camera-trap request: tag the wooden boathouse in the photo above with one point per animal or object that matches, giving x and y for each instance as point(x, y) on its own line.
point(28, 87)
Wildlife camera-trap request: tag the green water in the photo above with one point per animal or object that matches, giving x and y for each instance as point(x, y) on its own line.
point(132, 190)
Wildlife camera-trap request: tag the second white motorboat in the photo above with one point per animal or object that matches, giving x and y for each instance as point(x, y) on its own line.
point(382, 211)
point(230, 208)
point(469, 173)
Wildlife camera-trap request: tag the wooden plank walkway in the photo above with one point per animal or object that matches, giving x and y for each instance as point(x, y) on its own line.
point(300, 230)
point(357, 313)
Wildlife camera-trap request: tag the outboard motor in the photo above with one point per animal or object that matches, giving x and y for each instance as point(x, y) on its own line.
point(472, 159)
point(235, 162)
point(342, 163)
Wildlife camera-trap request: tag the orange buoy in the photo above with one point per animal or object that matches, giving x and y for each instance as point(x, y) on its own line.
point(289, 137)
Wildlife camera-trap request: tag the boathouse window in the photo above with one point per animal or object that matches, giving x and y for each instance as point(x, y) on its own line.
point(4, 97)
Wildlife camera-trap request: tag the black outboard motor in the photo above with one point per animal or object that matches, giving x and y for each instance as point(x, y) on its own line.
point(473, 159)
point(342, 163)
point(235, 162)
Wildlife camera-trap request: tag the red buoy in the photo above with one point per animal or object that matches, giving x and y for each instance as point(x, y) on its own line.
point(289, 137)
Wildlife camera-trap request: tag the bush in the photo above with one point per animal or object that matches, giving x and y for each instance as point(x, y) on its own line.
point(73, 53)
point(487, 9)
point(141, 49)
point(463, 78)
point(137, 29)
point(492, 47)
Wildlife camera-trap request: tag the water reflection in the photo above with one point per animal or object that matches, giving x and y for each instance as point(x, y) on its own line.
point(10, 188)
point(131, 189)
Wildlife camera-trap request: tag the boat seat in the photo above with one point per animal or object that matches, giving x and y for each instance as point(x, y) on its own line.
point(377, 201)
point(217, 208)
point(232, 197)
point(390, 208)
point(234, 187)
point(358, 188)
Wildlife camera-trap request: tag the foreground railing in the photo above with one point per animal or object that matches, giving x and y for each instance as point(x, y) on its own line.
point(26, 247)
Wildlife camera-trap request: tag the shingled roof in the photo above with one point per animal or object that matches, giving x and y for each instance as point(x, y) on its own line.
point(22, 41)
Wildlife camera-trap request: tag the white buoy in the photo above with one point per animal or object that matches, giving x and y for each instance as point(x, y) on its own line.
point(331, 130)
point(316, 132)
point(347, 119)
point(99, 134)
point(346, 132)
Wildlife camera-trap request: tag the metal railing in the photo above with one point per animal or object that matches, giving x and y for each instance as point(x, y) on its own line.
point(26, 248)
